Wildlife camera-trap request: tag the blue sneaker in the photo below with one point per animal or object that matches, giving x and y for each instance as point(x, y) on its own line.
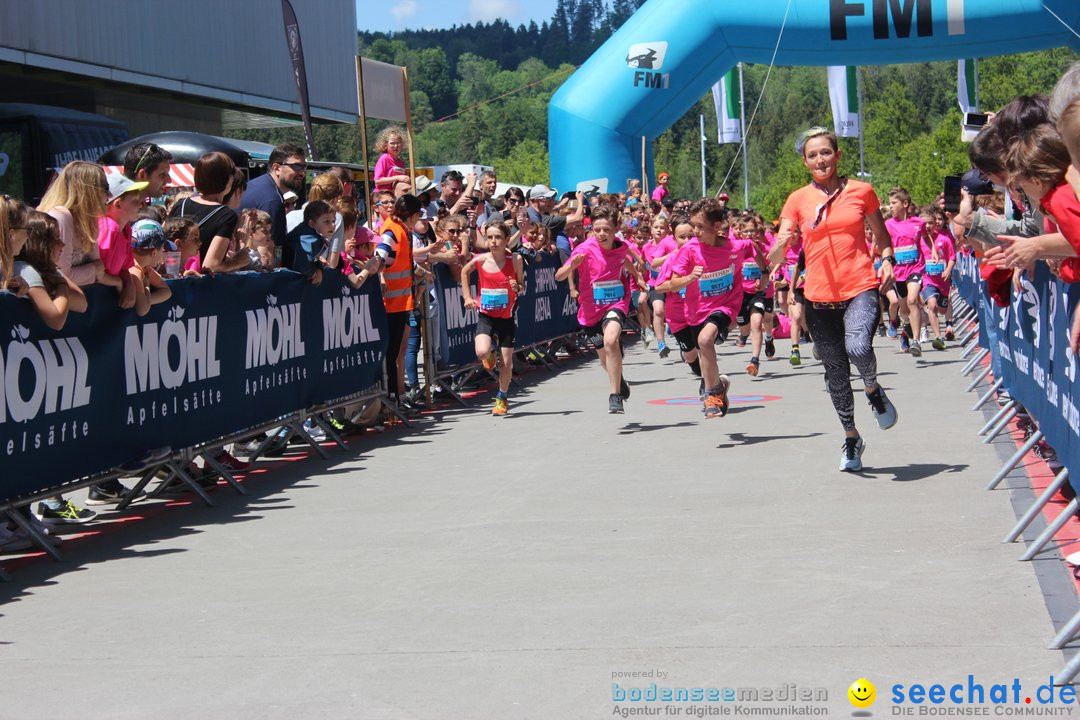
point(851, 456)
point(663, 349)
point(891, 330)
point(904, 343)
point(884, 410)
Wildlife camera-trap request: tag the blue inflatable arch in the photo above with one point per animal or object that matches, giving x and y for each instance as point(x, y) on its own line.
point(670, 52)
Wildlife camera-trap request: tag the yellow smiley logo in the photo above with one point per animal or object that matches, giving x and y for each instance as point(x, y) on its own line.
point(862, 693)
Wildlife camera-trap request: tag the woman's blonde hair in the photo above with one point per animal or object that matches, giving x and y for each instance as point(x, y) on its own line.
point(79, 188)
point(325, 187)
point(383, 140)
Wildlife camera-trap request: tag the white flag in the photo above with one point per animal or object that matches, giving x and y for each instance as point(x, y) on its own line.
point(727, 109)
point(967, 89)
point(844, 96)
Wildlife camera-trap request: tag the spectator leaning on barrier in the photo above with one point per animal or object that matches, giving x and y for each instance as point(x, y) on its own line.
point(310, 239)
point(395, 256)
point(284, 172)
point(77, 199)
point(217, 222)
point(114, 233)
point(52, 294)
point(149, 163)
point(328, 188)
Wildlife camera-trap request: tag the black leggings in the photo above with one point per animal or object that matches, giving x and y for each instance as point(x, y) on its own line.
point(842, 336)
point(397, 324)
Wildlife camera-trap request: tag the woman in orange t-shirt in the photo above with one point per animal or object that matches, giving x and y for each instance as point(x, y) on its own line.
point(841, 285)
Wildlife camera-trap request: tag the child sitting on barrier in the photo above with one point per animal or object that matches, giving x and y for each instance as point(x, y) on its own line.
point(148, 244)
point(52, 294)
point(310, 238)
point(183, 233)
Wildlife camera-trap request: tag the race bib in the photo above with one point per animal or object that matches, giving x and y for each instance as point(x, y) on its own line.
point(937, 268)
point(790, 273)
point(877, 264)
point(607, 292)
point(751, 271)
point(907, 256)
point(494, 299)
point(716, 283)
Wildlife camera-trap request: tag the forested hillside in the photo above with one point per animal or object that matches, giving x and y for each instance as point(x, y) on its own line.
point(911, 114)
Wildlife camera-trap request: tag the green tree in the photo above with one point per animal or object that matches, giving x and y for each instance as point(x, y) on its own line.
point(527, 164)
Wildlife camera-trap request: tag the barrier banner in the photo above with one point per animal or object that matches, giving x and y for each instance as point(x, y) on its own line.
point(544, 311)
point(1036, 363)
point(221, 355)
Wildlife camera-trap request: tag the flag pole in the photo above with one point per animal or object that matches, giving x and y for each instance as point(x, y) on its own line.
point(704, 189)
point(975, 65)
point(742, 123)
point(862, 143)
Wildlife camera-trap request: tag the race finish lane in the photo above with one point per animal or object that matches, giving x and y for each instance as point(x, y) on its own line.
point(538, 565)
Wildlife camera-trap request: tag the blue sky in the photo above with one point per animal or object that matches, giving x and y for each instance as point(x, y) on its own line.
point(414, 14)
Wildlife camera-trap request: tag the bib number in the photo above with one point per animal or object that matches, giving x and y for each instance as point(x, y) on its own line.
point(494, 299)
point(608, 292)
point(935, 269)
point(907, 256)
point(716, 283)
point(751, 271)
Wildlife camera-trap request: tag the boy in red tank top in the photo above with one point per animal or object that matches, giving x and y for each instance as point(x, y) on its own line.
point(500, 279)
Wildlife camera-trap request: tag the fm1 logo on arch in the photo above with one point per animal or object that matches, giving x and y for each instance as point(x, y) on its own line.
point(901, 13)
point(645, 57)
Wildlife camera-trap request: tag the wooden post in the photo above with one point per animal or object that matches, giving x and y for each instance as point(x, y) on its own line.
point(369, 180)
point(408, 128)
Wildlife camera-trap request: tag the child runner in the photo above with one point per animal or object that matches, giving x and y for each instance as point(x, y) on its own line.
point(603, 263)
point(674, 300)
point(501, 278)
point(907, 233)
point(937, 283)
point(656, 252)
point(756, 303)
point(707, 268)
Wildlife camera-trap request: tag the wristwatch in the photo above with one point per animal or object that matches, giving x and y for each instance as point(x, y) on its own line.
point(891, 259)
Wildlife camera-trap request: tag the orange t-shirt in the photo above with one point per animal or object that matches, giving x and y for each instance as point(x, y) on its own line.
point(838, 263)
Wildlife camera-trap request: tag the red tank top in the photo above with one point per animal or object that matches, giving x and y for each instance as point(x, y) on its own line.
point(496, 298)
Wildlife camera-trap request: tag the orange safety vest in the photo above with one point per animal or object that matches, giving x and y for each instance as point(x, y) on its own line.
point(397, 291)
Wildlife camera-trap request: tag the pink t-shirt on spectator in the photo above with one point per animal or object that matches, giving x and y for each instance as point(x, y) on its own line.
point(114, 245)
point(907, 246)
point(601, 282)
point(718, 288)
point(384, 167)
point(659, 193)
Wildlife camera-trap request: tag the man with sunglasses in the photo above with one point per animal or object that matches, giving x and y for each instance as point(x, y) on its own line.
point(149, 163)
point(285, 171)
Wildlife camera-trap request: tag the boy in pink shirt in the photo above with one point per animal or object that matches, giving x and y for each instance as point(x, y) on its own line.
point(603, 265)
point(907, 233)
point(940, 252)
point(675, 302)
point(114, 233)
point(710, 270)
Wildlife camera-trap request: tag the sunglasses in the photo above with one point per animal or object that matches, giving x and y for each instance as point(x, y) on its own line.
point(454, 231)
point(146, 154)
point(298, 167)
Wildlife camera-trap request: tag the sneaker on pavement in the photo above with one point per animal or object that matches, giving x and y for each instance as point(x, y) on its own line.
point(663, 349)
point(624, 389)
point(110, 494)
point(937, 343)
point(884, 410)
point(741, 341)
point(716, 402)
point(615, 404)
point(851, 455)
point(67, 514)
point(231, 464)
point(753, 367)
point(796, 359)
point(12, 540)
point(891, 330)
point(949, 334)
point(904, 342)
point(916, 349)
point(500, 406)
point(770, 349)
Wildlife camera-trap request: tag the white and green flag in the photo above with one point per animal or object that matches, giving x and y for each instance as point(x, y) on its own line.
point(967, 86)
point(844, 96)
point(726, 97)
